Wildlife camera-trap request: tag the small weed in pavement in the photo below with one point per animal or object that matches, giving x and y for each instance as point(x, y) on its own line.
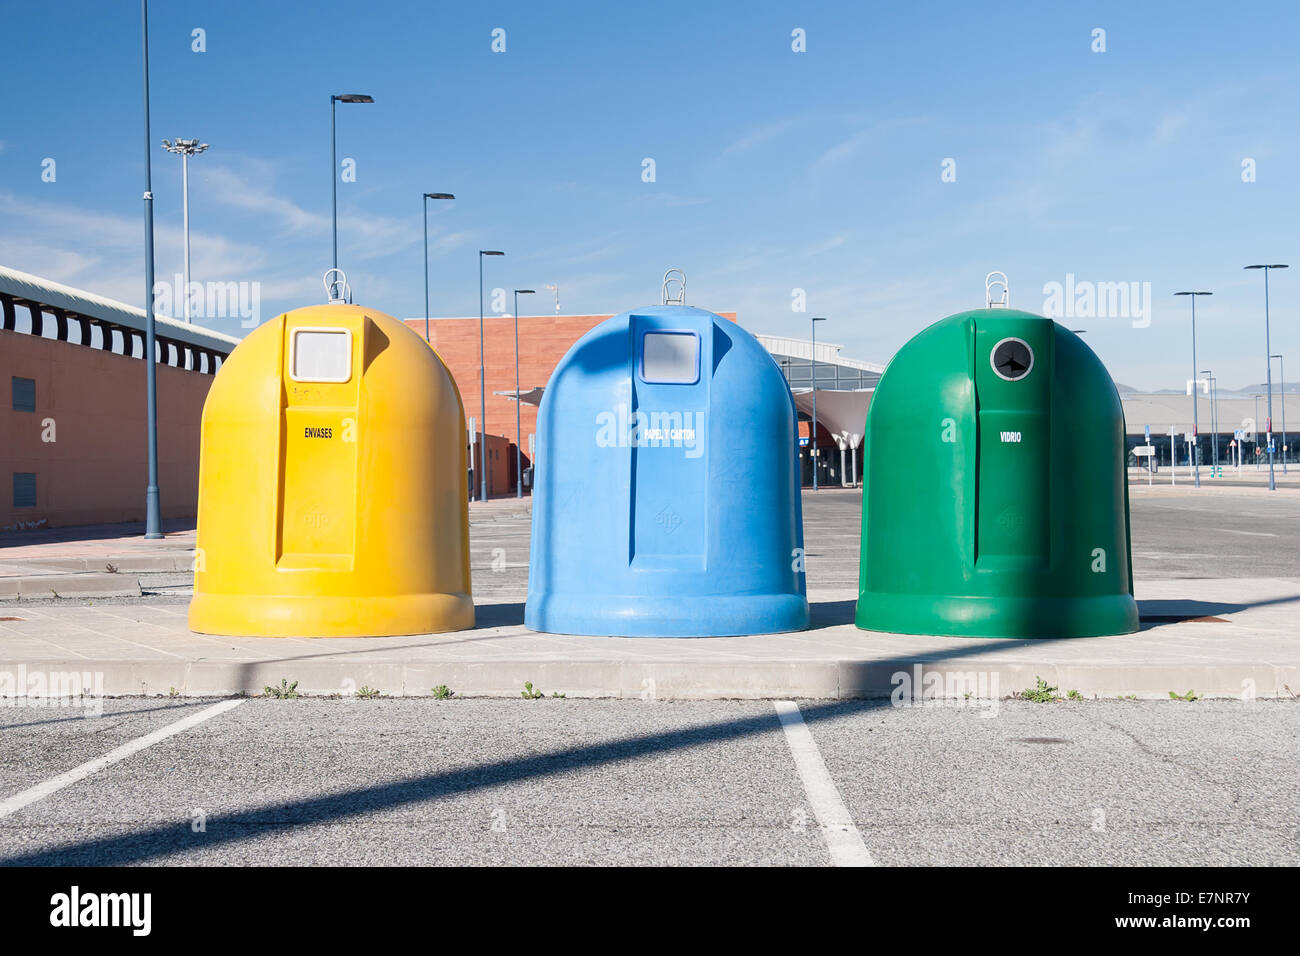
point(367, 693)
point(285, 691)
point(1043, 693)
point(443, 692)
point(1190, 695)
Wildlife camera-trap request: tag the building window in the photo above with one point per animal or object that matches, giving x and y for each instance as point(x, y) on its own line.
point(24, 489)
point(24, 394)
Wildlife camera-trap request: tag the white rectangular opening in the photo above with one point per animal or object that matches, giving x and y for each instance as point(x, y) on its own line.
point(671, 358)
point(320, 355)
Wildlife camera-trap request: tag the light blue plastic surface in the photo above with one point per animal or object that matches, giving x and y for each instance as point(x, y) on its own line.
point(662, 508)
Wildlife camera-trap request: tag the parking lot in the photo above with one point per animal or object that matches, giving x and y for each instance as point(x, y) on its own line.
point(561, 780)
point(615, 782)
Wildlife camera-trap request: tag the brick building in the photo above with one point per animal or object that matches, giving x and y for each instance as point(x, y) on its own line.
point(72, 409)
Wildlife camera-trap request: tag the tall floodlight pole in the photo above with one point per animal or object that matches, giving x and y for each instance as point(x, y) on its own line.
point(1214, 415)
point(1268, 350)
point(1281, 374)
point(482, 380)
point(425, 202)
point(1255, 433)
point(185, 148)
point(334, 157)
point(152, 514)
point(519, 434)
point(812, 441)
point(1196, 464)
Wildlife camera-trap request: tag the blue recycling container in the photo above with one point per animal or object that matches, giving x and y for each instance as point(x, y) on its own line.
point(666, 501)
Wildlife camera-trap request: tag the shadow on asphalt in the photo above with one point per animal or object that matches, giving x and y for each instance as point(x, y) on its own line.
point(232, 828)
point(831, 613)
point(498, 615)
point(182, 705)
point(92, 532)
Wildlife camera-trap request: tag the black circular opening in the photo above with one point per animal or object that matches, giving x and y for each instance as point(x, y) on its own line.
point(1012, 359)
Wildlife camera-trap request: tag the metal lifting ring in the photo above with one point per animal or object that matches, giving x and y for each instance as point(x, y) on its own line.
point(671, 276)
point(992, 281)
point(337, 290)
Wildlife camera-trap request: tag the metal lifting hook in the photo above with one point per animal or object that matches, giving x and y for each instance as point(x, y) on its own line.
point(991, 282)
point(337, 290)
point(671, 276)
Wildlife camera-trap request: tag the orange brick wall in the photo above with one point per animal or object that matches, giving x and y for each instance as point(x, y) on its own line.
point(96, 470)
point(501, 466)
point(543, 341)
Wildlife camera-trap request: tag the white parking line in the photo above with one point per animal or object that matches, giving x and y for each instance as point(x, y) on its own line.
point(842, 837)
point(53, 785)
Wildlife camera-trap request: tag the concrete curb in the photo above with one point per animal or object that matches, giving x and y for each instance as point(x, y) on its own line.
point(78, 585)
point(921, 681)
point(124, 563)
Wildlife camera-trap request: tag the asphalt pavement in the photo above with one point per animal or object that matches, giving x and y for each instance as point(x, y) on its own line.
point(555, 781)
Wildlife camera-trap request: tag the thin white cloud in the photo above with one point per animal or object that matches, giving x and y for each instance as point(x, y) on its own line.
point(834, 242)
point(851, 146)
point(104, 252)
point(760, 135)
point(670, 200)
point(247, 189)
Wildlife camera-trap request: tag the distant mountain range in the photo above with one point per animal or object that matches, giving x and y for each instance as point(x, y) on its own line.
point(1292, 388)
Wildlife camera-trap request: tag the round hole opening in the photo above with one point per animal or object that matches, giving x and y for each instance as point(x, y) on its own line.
point(1012, 359)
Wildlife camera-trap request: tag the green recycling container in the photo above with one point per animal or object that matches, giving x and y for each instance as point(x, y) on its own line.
point(995, 500)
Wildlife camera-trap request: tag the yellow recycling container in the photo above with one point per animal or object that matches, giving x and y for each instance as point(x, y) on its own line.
point(332, 495)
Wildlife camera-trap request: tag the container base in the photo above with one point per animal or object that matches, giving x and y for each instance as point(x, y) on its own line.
point(605, 615)
point(1013, 617)
point(242, 615)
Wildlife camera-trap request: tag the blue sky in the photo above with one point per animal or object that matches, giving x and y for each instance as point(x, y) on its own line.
point(774, 170)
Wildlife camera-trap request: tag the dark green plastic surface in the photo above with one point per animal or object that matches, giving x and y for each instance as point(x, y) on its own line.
point(996, 505)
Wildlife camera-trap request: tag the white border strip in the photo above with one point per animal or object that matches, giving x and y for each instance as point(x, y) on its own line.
point(842, 837)
point(42, 790)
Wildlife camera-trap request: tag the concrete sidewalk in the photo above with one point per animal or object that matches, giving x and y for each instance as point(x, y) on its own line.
point(1221, 638)
point(89, 562)
point(1218, 583)
point(101, 561)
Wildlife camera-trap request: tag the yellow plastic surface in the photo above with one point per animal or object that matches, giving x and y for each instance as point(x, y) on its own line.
point(332, 508)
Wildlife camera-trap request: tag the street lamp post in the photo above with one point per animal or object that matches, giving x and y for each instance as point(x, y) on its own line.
point(482, 380)
point(1196, 463)
point(185, 148)
point(1268, 350)
point(1281, 374)
point(425, 202)
point(1214, 416)
point(519, 434)
point(152, 514)
point(1255, 432)
point(334, 157)
point(812, 441)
